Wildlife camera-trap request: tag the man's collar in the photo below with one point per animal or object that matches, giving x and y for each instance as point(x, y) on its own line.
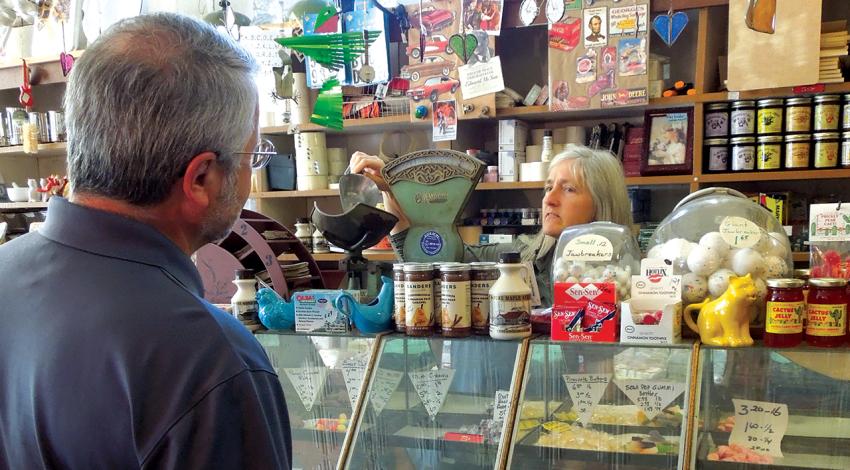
point(120, 237)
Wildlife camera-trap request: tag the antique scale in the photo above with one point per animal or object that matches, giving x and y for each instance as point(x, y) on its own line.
point(432, 188)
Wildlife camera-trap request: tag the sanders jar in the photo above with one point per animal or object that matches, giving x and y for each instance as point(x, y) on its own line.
point(826, 315)
point(418, 299)
point(455, 300)
point(398, 297)
point(798, 115)
point(785, 310)
point(482, 277)
point(769, 118)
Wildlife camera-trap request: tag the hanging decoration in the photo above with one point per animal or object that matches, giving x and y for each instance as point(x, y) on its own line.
point(463, 45)
point(331, 51)
point(61, 11)
point(328, 108)
point(761, 16)
point(29, 131)
point(327, 20)
point(227, 19)
point(670, 26)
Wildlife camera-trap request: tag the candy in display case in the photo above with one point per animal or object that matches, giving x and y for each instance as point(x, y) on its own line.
point(321, 376)
point(716, 234)
point(599, 406)
point(773, 408)
point(436, 403)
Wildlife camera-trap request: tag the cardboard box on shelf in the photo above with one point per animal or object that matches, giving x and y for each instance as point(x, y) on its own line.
point(654, 313)
point(585, 312)
point(513, 132)
point(509, 163)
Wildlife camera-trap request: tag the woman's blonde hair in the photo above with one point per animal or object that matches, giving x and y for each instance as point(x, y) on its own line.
point(602, 174)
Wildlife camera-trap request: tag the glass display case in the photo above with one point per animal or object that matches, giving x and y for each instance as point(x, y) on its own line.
point(436, 403)
point(775, 408)
point(321, 376)
point(602, 405)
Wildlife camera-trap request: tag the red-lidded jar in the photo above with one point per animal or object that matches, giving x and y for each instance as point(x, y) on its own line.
point(826, 315)
point(785, 310)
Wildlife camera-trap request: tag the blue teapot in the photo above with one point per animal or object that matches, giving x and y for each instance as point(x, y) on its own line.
point(375, 317)
point(275, 313)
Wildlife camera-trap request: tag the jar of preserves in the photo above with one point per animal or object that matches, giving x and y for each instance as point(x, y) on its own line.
point(769, 117)
point(797, 151)
point(418, 299)
point(398, 297)
point(482, 276)
point(826, 315)
point(826, 149)
point(455, 307)
point(827, 112)
point(845, 113)
point(742, 120)
point(438, 319)
point(769, 152)
point(845, 149)
point(743, 153)
point(804, 275)
point(785, 311)
point(798, 115)
point(717, 154)
point(717, 120)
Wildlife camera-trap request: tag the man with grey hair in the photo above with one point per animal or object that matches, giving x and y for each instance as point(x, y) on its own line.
point(109, 356)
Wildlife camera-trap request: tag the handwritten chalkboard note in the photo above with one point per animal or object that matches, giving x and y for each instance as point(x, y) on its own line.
point(384, 385)
point(308, 383)
point(585, 391)
point(651, 396)
point(501, 405)
point(760, 426)
point(353, 370)
point(432, 387)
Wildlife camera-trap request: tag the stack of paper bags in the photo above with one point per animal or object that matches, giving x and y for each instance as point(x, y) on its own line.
point(833, 51)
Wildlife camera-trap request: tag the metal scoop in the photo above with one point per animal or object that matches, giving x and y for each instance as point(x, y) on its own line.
point(354, 189)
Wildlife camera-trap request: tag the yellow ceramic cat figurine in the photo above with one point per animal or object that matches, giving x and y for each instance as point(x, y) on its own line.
point(725, 321)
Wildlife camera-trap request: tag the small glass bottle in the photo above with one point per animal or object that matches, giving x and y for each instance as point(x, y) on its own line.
point(743, 118)
point(769, 118)
point(769, 152)
point(826, 315)
point(827, 112)
point(797, 151)
point(320, 245)
point(826, 149)
point(743, 153)
point(717, 120)
point(548, 146)
point(717, 154)
point(798, 115)
point(510, 300)
point(785, 311)
point(243, 304)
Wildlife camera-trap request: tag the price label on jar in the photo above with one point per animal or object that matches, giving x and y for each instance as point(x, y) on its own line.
point(739, 232)
point(759, 426)
point(585, 391)
point(308, 383)
point(432, 386)
point(589, 248)
point(650, 395)
point(383, 386)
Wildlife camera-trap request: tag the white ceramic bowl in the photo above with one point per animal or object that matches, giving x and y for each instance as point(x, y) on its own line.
point(18, 194)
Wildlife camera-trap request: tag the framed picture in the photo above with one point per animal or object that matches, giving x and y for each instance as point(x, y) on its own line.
point(668, 142)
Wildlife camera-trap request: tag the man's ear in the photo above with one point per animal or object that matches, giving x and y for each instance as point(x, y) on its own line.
point(202, 180)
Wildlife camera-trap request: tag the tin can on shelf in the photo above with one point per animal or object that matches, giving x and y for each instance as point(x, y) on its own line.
point(15, 125)
point(827, 111)
point(825, 149)
point(717, 120)
point(798, 149)
point(798, 115)
point(717, 154)
point(769, 116)
point(826, 314)
point(743, 153)
point(742, 119)
point(769, 152)
point(56, 121)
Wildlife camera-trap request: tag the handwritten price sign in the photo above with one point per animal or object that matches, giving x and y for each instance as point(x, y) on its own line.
point(383, 386)
point(307, 382)
point(760, 426)
point(651, 396)
point(585, 391)
point(353, 370)
point(432, 386)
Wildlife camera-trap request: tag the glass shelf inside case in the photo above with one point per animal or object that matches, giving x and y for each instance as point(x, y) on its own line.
point(774, 408)
point(436, 403)
point(321, 376)
point(602, 406)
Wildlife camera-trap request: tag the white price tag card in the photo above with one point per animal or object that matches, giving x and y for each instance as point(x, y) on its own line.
point(651, 396)
point(308, 383)
point(501, 405)
point(585, 391)
point(759, 426)
point(739, 232)
point(353, 370)
point(432, 386)
point(383, 386)
point(829, 222)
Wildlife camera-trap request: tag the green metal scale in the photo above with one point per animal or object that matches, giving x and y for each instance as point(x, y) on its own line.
point(432, 188)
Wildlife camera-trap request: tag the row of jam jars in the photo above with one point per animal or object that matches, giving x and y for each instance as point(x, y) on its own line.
point(825, 313)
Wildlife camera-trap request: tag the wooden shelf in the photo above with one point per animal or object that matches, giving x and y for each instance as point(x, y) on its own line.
point(369, 255)
point(58, 149)
point(22, 205)
point(800, 256)
point(510, 185)
point(775, 176)
point(658, 180)
point(355, 126)
point(295, 194)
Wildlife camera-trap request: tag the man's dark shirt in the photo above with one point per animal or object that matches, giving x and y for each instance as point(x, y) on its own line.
point(109, 357)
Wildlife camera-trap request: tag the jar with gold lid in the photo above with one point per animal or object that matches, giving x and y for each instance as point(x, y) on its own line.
point(845, 149)
point(798, 115)
point(769, 152)
point(845, 113)
point(827, 110)
point(769, 117)
point(742, 119)
point(797, 151)
point(826, 149)
point(743, 153)
point(717, 120)
point(717, 155)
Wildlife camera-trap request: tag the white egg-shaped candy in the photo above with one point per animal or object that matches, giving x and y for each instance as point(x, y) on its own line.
point(559, 274)
point(587, 280)
point(656, 251)
point(676, 249)
point(572, 279)
point(727, 262)
point(719, 282)
point(623, 276)
point(761, 289)
point(715, 243)
point(762, 244)
point(694, 288)
point(777, 246)
point(775, 267)
point(561, 264)
point(609, 273)
point(576, 268)
point(702, 262)
point(748, 260)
